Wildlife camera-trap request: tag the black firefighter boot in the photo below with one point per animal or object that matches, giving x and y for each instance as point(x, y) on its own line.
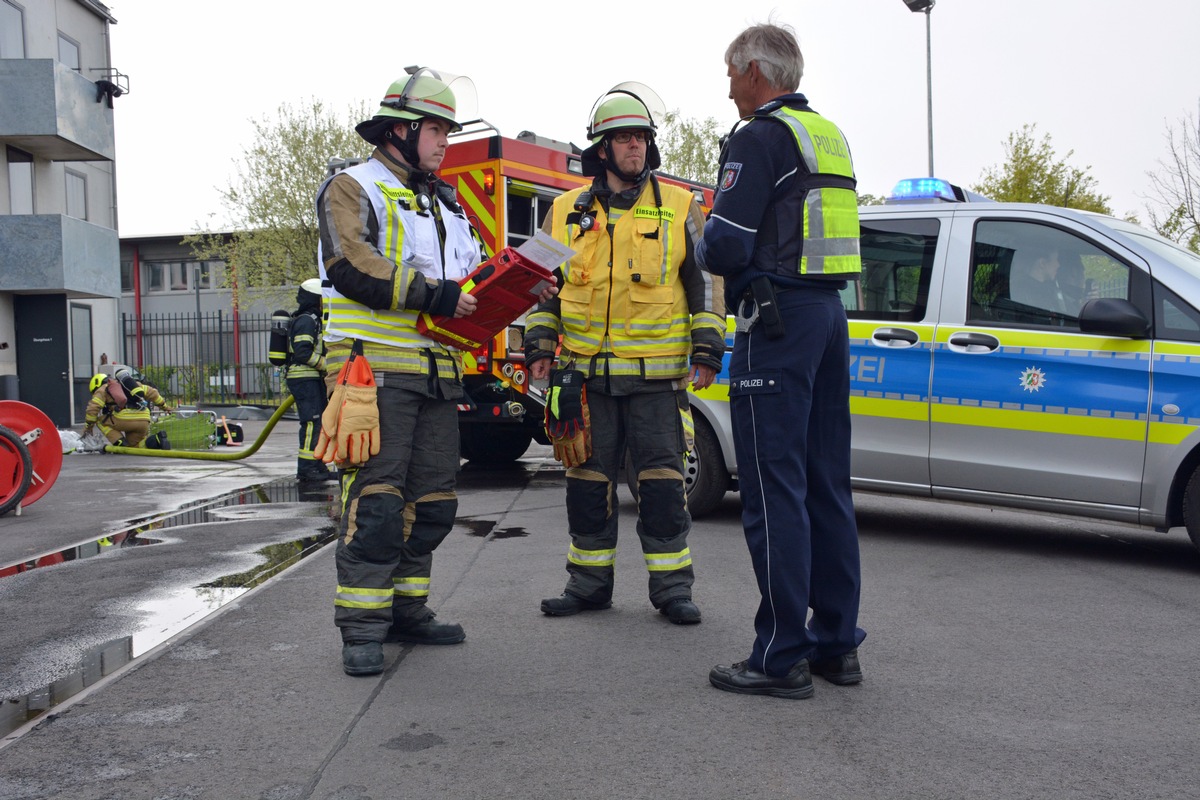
point(428, 631)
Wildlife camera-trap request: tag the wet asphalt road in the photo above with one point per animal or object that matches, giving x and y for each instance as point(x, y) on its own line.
point(1008, 656)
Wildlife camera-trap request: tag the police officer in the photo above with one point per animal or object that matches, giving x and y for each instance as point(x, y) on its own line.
point(305, 372)
point(633, 309)
point(784, 233)
point(393, 242)
point(120, 407)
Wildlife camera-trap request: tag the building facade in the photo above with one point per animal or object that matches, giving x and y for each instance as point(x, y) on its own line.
point(59, 268)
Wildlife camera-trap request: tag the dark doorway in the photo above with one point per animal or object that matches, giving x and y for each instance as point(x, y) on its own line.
point(44, 354)
point(82, 365)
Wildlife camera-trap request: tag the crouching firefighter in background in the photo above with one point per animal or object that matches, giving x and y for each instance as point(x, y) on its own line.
point(120, 407)
point(633, 311)
point(393, 243)
point(302, 357)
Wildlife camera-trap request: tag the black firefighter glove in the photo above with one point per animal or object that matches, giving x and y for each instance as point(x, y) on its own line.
point(568, 422)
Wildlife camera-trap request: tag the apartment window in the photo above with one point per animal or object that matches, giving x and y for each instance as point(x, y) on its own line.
point(68, 51)
point(20, 179)
point(12, 30)
point(126, 277)
point(76, 195)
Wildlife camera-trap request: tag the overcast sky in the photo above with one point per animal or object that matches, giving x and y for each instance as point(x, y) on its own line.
point(1103, 77)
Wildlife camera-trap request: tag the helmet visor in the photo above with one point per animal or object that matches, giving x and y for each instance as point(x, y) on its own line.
point(626, 114)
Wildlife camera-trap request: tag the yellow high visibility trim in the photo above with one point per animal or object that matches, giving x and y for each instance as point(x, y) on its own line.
point(411, 587)
point(373, 598)
point(912, 410)
point(1051, 341)
point(1129, 430)
point(668, 562)
point(1162, 348)
point(471, 200)
point(591, 558)
point(1170, 433)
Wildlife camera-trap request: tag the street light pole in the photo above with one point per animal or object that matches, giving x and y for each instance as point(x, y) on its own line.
point(926, 6)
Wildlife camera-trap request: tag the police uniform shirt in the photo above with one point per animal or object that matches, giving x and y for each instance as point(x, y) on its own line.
point(759, 155)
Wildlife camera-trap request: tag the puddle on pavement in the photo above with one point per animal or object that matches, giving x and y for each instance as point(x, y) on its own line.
point(483, 527)
point(169, 614)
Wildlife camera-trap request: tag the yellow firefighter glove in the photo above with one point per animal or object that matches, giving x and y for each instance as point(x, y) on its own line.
point(326, 449)
point(568, 421)
point(349, 427)
point(358, 427)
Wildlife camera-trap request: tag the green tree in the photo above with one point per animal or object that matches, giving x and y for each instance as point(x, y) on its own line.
point(871, 199)
point(690, 148)
point(1175, 185)
point(1033, 173)
point(270, 203)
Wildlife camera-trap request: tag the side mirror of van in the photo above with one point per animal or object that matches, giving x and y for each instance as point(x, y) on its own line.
point(1112, 316)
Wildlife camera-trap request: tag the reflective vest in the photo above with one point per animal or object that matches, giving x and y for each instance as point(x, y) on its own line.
point(830, 217)
point(316, 368)
point(626, 285)
point(409, 237)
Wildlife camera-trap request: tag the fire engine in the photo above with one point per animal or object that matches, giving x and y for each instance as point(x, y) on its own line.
point(507, 186)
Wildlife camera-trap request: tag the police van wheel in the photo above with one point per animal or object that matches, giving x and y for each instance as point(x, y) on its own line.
point(1191, 508)
point(705, 478)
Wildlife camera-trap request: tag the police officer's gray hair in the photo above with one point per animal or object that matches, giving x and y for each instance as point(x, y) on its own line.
point(775, 49)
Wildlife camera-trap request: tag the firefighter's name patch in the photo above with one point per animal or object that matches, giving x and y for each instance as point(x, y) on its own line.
point(730, 175)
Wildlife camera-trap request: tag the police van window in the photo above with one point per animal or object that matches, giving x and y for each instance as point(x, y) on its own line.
point(897, 263)
point(1028, 274)
point(1174, 317)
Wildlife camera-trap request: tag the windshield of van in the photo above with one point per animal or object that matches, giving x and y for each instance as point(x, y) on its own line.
point(1163, 248)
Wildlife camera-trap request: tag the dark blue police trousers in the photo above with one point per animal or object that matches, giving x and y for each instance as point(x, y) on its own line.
point(790, 404)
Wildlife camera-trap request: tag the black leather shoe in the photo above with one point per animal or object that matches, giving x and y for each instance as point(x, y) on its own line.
point(428, 632)
point(681, 611)
point(362, 658)
point(796, 685)
point(568, 604)
point(842, 670)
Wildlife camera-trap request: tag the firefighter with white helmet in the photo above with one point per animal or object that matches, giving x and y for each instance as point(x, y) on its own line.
point(638, 321)
point(305, 375)
point(393, 243)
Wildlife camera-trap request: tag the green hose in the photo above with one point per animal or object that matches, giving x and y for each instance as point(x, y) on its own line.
point(235, 455)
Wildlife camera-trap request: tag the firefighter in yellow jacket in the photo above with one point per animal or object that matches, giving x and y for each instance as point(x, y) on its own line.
point(120, 407)
point(639, 321)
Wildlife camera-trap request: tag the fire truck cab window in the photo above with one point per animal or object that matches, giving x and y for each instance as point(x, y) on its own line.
point(526, 213)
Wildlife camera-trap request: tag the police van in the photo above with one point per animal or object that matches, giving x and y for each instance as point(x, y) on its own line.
point(1015, 355)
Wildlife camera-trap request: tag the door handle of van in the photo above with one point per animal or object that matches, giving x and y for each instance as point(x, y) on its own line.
point(973, 342)
point(895, 337)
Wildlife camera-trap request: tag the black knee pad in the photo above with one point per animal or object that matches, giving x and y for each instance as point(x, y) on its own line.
point(588, 506)
point(661, 505)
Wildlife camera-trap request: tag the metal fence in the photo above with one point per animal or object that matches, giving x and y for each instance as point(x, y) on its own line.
point(212, 357)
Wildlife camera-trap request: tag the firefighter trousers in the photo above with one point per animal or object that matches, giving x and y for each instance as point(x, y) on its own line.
point(127, 427)
point(790, 406)
point(310, 405)
point(650, 425)
point(397, 509)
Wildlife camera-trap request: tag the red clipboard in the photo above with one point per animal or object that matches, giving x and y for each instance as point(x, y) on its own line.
point(506, 286)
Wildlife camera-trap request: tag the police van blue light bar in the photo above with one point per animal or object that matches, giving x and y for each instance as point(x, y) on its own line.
point(923, 189)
